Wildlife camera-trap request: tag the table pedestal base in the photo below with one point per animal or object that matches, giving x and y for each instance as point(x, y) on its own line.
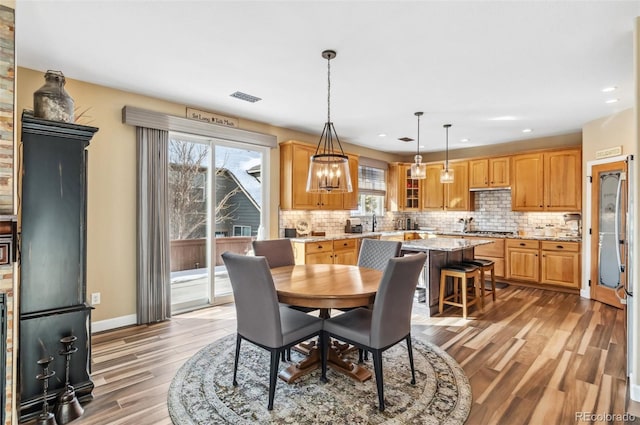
point(335, 361)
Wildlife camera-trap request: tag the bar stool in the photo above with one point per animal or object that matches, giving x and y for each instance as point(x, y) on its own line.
point(460, 273)
point(485, 265)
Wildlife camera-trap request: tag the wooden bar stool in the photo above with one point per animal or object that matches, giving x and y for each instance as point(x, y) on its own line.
point(460, 273)
point(485, 265)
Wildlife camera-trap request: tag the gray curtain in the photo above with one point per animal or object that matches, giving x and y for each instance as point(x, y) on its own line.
point(153, 286)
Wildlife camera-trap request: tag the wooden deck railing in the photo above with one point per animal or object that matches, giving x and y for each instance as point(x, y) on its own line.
point(187, 254)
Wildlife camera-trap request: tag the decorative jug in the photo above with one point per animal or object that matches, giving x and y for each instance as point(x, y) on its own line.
point(51, 101)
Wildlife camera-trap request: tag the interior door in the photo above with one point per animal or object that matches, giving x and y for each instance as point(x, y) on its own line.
point(608, 230)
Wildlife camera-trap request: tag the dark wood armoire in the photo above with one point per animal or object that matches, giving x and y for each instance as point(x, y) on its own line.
point(53, 259)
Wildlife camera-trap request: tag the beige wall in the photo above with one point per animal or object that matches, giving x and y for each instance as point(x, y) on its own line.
point(111, 221)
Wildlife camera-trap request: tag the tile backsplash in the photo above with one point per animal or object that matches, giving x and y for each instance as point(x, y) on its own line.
point(492, 212)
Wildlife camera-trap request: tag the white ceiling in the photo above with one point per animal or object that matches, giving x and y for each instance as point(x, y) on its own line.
point(542, 63)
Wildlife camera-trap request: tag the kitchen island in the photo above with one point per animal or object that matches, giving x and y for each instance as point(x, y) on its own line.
point(440, 252)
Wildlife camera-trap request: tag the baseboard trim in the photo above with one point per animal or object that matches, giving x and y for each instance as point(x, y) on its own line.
point(585, 293)
point(116, 322)
point(634, 389)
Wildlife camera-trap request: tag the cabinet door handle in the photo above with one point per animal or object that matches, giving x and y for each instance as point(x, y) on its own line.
point(559, 247)
point(319, 246)
point(523, 244)
point(345, 244)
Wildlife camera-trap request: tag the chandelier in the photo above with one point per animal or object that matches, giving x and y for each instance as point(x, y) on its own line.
point(329, 167)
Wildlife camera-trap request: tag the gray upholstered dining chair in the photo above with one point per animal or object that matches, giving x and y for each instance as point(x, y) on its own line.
point(382, 327)
point(278, 252)
point(261, 320)
point(375, 253)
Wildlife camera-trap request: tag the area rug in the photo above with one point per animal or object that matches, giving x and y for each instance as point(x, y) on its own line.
point(202, 391)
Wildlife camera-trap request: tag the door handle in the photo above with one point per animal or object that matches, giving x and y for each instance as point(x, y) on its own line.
point(617, 221)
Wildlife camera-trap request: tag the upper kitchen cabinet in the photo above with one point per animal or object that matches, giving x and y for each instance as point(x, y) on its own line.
point(404, 193)
point(295, 158)
point(456, 195)
point(489, 173)
point(563, 180)
point(433, 196)
point(547, 181)
point(449, 197)
point(350, 200)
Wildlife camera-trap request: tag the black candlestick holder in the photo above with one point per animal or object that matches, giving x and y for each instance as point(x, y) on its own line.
point(46, 417)
point(69, 407)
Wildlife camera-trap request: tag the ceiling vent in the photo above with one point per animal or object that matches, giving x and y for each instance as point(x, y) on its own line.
point(406, 139)
point(245, 97)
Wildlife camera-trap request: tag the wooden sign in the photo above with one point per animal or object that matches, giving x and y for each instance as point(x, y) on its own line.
point(211, 118)
point(606, 153)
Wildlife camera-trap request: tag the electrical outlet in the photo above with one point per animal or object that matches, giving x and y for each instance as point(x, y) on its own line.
point(95, 298)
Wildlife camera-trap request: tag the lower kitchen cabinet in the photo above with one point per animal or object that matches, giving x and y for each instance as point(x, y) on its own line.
point(554, 263)
point(523, 261)
point(494, 252)
point(560, 263)
point(338, 251)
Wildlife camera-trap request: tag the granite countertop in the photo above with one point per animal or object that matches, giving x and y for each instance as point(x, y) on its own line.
point(305, 239)
point(513, 236)
point(443, 244)
point(334, 237)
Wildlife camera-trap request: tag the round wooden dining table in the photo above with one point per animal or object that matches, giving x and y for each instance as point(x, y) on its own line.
point(325, 286)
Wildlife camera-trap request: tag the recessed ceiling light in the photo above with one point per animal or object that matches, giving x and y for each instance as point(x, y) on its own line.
point(382, 135)
point(464, 140)
point(504, 118)
point(611, 101)
point(527, 130)
point(609, 89)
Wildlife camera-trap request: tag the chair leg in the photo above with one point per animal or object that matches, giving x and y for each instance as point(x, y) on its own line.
point(493, 283)
point(482, 289)
point(324, 354)
point(235, 361)
point(366, 355)
point(377, 366)
point(443, 280)
point(464, 298)
point(273, 375)
point(284, 355)
point(410, 350)
point(360, 355)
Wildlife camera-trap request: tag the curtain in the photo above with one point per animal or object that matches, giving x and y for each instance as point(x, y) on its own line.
point(153, 281)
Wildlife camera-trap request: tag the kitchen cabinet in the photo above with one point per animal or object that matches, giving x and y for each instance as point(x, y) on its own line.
point(404, 193)
point(295, 158)
point(554, 263)
point(489, 173)
point(547, 181)
point(560, 263)
point(433, 195)
point(338, 251)
point(494, 252)
point(456, 195)
point(523, 261)
point(450, 197)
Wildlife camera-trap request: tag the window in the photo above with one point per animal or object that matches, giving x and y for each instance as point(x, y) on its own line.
point(372, 187)
point(241, 230)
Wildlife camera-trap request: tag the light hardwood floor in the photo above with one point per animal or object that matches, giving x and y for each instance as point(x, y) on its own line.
point(533, 356)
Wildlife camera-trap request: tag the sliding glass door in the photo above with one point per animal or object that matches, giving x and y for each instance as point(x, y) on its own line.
point(216, 197)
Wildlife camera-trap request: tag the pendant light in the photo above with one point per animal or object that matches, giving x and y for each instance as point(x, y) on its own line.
point(446, 175)
point(418, 169)
point(329, 167)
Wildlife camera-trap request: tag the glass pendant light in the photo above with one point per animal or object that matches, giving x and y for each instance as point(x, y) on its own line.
point(446, 175)
point(418, 169)
point(329, 167)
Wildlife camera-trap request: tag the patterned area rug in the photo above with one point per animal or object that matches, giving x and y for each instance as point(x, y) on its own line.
point(202, 391)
